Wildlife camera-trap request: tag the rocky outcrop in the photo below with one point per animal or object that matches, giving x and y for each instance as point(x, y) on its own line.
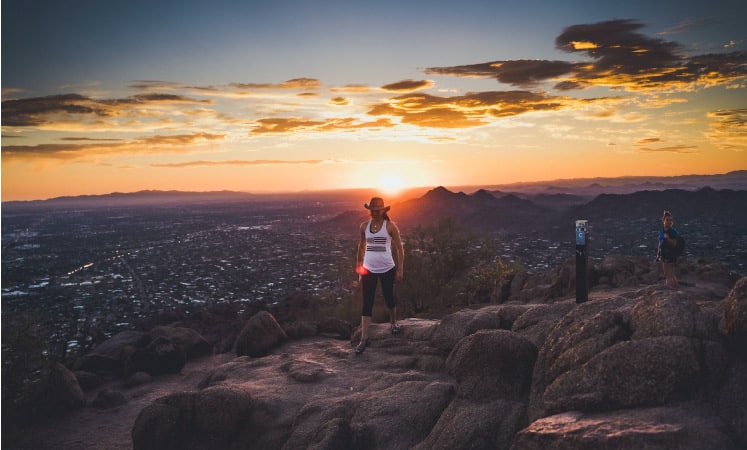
point(261, 333)
point(637, 366)
point(615, 271)
point(646, 368)
point(163, 349)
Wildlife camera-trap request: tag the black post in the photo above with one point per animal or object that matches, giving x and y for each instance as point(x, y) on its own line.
point(582, 257)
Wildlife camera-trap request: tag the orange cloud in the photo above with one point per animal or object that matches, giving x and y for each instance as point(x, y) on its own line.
point(295, 125)
point(341, 101)
point(646, 141)
point(470, 110)
point(352, 89)
point(256, 162)
point(729, 127)
point(683, 149)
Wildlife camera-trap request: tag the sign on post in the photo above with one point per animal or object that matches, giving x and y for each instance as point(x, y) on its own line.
point(582, 258)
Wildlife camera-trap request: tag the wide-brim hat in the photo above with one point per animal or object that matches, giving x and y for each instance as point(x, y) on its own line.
point(376, 204)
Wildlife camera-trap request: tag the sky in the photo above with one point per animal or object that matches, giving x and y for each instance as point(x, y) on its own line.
point(111, 96)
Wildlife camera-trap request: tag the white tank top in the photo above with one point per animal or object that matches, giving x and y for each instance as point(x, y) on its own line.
point(378, 256)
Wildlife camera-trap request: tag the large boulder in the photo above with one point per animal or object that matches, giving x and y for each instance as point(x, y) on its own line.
point(323, 424)
point(399, 416)
point(580, 335)
point(622, 270)
point(652, 348)
point(476, 424)
point(261, 334)
point(160, 356)
point(165, 424)
point(623, 376)
point(538, 320)
point(492, 364)
point(671, 313)
point(189, 341)
point(109, 356)
point(455, 326)
point(61, 392)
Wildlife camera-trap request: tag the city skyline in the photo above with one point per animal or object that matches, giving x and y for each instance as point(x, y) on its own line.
point(105, 97)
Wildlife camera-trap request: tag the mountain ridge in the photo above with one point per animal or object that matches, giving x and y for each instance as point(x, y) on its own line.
point(736, 180)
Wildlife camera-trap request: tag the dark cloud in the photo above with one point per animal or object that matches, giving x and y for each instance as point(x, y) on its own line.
point(620, 56)
point(407, 86)
point(51, 151)
point(522, 73)
point(731, 125)
point(167, 98)
point(296, 83)
point(32, 111)
point(152, 144)
point(37, 111)
point(154, 84)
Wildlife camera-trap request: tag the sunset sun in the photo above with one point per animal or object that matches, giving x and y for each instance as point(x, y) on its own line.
point(390, 184)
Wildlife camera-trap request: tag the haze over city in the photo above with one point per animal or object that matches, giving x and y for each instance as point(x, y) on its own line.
point(102, 97)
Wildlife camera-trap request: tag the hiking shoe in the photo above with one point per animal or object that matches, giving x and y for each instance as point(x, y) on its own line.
point(361, 347)
point(395, 328)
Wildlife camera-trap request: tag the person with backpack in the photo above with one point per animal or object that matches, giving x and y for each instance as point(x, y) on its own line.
point(670, 248)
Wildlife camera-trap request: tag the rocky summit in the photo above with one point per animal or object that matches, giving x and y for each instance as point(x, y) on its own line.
point(636, 366)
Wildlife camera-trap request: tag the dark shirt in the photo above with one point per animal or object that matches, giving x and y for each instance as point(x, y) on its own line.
point(667, 250)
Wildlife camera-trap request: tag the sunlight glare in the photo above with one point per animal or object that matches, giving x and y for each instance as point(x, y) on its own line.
point(390, 184)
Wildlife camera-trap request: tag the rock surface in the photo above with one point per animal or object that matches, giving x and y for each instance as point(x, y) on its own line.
point(642, 366)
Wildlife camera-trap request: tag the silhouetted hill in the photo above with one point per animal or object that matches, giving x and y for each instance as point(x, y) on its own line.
point(723, 205)
point(139, 198)
point(589, 187)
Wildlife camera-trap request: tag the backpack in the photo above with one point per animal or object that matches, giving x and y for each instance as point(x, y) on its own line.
point(679, 248)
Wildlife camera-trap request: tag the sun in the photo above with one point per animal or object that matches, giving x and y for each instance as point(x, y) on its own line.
point(390, 184)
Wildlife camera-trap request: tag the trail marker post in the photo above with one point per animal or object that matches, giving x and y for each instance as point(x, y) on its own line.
point(582, 258)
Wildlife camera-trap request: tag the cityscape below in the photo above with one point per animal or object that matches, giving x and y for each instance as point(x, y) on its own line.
point(98, 270)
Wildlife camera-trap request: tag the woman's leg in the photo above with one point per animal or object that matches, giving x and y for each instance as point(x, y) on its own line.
point(670, 278)
point(387, 289)
point(368, 283)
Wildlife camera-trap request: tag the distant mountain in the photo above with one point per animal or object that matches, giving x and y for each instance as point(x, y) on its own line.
point(544, 214)
point(140, 198)
point(551, 196)
point(724, 206)
point(590, 187)
point(480, 211)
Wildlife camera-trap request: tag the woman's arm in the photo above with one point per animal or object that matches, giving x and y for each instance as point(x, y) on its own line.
point(398, 249)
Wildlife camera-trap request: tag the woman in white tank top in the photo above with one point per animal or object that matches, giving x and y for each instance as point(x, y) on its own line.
point(380, 257)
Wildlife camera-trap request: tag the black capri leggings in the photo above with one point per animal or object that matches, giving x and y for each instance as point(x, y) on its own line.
point(369, 282)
